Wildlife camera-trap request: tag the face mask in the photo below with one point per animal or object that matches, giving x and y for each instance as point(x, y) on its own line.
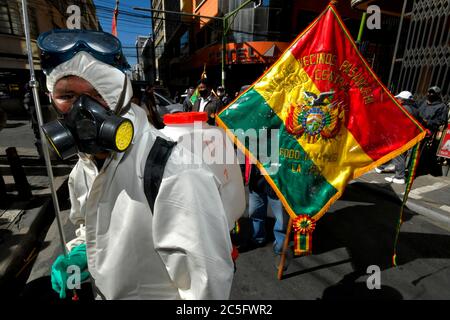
point(203, 93)
point(90, 128)
point(432, 97)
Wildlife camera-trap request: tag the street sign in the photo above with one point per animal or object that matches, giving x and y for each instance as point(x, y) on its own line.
point(444, 146)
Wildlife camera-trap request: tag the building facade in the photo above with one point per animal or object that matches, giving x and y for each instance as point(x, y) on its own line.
point(422, 58)
point(145, 59)
point(164, 26)
point(254, 40)
point(43, 15)
point(256, 37)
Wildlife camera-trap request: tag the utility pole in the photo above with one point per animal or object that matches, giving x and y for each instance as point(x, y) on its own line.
point(225, 26)
point(34, 85)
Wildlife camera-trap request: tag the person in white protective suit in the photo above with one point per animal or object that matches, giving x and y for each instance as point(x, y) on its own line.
point(181, 249)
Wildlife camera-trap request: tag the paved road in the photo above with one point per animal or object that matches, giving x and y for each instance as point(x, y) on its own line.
point(23, 224)
point(357, 232)
point(17, 133)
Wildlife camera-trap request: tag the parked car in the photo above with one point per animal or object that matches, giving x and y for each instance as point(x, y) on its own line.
point(243, 88)
point(165, 105)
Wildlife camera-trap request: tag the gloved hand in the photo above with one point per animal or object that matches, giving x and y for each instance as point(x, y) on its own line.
point(59, 273)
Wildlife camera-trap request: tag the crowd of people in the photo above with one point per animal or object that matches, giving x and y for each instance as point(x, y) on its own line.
point(433, 114)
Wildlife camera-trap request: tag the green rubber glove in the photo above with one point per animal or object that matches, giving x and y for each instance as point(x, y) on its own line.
point(59, 273)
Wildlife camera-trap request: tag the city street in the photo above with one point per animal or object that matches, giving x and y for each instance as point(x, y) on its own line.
point(358, 232)
point(145, 105)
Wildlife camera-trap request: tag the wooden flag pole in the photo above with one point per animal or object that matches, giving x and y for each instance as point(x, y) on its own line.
point(285, 247)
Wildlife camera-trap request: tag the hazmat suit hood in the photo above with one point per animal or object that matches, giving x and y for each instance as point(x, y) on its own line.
point(106, 79)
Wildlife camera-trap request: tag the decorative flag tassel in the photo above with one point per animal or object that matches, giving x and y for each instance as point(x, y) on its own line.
point(415, 155)
point(236, 228)
point(303, 228)
point(302, 243)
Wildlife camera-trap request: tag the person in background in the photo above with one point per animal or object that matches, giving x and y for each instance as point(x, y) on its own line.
point(137, 96)
point(187, 104)
point(176, 97)
point(207, 102)
point(433, 114)
point(223, 96)
point(261, 196)
point(406, 99)
point(148, 102)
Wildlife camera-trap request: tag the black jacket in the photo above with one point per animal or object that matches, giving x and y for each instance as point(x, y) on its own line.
point(187, 104)
point(412, 108)
point(433, 115)
point(213, 106)
point(257, 183)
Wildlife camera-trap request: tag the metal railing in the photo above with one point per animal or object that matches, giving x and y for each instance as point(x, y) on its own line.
point(426, 58)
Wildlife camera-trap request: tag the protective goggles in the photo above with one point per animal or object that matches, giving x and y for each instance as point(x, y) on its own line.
point(60, 45)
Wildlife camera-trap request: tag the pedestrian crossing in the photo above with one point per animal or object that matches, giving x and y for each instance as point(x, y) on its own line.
point(418, 192)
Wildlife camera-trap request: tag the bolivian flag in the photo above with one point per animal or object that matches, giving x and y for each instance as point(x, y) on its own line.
point(332, 117)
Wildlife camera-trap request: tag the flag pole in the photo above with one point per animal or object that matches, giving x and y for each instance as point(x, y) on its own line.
point(34, 84)
point(285, 247)
point(114, 22)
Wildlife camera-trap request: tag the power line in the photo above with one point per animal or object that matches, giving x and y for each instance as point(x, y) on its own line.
point(113, 2)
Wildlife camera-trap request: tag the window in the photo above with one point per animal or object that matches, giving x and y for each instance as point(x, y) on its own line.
point(10, 18)
point(184, 44)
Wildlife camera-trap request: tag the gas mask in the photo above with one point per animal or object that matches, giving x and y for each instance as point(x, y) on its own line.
point(90, 128)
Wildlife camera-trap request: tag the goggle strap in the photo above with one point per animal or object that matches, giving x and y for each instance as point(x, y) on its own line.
point(120, 106)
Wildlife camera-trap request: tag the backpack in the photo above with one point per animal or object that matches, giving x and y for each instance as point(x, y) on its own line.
point(153, 173)
point(154, 168)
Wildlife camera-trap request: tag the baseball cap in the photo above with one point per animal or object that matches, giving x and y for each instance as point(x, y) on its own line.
point(405, 95)
point(435, 89)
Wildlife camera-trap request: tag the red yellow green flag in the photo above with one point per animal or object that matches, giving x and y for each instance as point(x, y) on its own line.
point(334, 119)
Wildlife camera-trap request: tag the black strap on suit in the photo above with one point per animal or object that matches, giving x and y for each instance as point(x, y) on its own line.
point(154, 168)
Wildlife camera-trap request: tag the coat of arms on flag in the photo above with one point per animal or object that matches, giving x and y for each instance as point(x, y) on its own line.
point(334, 121)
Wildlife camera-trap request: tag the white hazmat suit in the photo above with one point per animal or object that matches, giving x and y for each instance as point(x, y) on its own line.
point(180, 251)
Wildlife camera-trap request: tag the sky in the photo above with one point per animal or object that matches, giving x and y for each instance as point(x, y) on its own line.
point(128, 27)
